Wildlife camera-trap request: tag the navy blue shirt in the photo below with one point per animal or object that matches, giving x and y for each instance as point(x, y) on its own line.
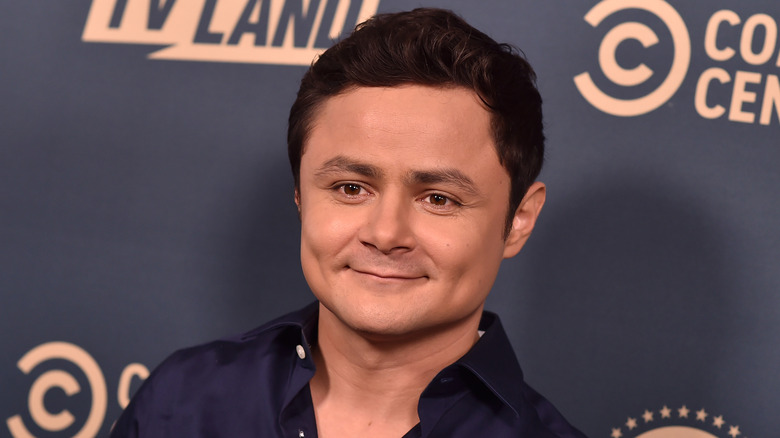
point(257, 385)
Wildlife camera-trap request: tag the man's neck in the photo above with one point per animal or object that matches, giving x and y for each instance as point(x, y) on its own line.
point(369, 386)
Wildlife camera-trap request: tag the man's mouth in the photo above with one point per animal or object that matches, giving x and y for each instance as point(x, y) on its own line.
point(388, 274)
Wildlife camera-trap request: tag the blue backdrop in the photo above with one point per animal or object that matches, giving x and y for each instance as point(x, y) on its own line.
point(146, 202)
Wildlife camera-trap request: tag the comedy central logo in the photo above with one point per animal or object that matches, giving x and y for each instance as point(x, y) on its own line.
point(289, 32)
point(632, 77)
point(679, 422)
point(57, 360)
point(740, 83)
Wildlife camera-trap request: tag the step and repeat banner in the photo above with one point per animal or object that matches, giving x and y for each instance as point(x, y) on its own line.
point(146, 202)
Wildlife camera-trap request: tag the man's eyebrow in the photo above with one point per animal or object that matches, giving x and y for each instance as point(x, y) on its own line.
point(446, 176)
point(341, 163)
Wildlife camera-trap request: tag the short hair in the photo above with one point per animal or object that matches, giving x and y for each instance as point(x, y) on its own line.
point(432, 47)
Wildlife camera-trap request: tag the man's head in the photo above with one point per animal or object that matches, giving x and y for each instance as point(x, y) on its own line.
point(407, 141)
point(432, 47)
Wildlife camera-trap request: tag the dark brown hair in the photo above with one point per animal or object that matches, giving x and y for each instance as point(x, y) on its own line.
point(432, 47)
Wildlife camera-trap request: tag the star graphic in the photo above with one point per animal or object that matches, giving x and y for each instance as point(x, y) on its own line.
point(648, 416)
point(631, 423)
point(718, 421)
point(701, 415)
point(665, 412)
point(683, 412)
point(734, 431)
point(616, 433)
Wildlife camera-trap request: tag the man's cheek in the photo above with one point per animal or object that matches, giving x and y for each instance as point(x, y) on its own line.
point(326, 235)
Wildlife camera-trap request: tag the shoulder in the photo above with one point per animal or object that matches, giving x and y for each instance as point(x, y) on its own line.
point(230, 357)
point(231, 374)
point(494, 364)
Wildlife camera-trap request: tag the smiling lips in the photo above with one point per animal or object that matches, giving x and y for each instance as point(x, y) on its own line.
point(388, 274)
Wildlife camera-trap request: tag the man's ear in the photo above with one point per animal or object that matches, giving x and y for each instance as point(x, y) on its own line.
point(298, 202)
point(524, 219)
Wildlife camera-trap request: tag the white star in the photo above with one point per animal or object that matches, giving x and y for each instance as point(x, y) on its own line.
point(718, 421)
point(648, 416)
point(665, 412)
point(701, 415)
point(734, 431)
point(683, 412)
point(631, 423)
point(616, 433)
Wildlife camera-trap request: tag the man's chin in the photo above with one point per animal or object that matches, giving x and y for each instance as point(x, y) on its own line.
point(378, 324)
point(389, 332)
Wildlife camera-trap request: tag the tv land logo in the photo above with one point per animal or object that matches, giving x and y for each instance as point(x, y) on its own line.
point(677, 423)
point(288, 32)
point(728, 37)
point(62, 380)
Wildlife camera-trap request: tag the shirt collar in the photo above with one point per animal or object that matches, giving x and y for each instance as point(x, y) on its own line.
point(304, 319)
point(492, 359)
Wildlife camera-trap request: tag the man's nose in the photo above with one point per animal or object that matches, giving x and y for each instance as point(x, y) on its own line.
point(388, 224)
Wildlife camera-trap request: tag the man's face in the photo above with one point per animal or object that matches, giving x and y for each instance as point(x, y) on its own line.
point(403, 204)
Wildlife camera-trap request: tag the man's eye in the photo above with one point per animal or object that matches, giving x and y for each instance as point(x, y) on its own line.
point(351, 189)
point(437, 199)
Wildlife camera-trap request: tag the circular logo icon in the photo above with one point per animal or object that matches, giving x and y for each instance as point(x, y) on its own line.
point(55, 422)
point(641, 73)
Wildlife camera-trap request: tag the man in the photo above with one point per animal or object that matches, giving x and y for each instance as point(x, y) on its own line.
point(414, 144)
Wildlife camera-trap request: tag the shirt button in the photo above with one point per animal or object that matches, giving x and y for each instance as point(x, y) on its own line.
point(301, 352)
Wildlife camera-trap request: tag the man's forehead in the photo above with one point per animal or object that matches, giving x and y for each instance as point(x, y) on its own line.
point(427, 133)
point(386, 97)
point(407, 109)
